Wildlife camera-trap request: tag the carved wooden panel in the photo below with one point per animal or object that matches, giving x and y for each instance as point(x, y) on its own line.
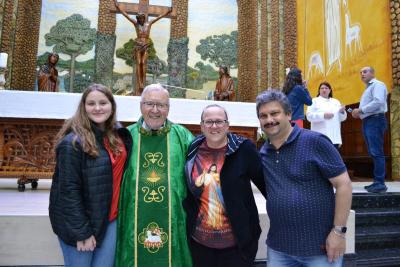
point(27, 147)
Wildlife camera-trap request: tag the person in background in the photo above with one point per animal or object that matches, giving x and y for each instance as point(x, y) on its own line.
point(301, 169)
point(372, 109)
point(222, 217)
point(326, 113)
point(91, 153)
point(48, 75)
point(152, 225)
point(296, 91)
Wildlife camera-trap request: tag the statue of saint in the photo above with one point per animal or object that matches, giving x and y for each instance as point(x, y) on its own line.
point(140, 54)
point(48, 75)
point(225, 87)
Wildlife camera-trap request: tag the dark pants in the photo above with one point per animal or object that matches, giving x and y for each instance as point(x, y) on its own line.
point(374, 127)
point(212, 257)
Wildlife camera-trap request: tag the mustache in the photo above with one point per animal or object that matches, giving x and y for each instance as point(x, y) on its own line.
point(269, 124)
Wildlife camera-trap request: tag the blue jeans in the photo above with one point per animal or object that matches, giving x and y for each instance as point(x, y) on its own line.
point(101, 257)
point(374, 127)
point(280, 259)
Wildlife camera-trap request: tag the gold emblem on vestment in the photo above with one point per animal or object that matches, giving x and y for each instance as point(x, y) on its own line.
point(153, 237)
point(153, 158)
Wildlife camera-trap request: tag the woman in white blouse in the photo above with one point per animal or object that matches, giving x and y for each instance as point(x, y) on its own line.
point(326, 113)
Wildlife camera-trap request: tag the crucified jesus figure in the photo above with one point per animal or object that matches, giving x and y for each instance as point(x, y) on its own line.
point(141, 43)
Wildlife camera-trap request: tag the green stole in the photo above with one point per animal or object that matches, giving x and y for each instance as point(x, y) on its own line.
point(152, 206)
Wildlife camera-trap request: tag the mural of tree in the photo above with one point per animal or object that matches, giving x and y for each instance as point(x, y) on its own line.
point(219, 49)
point(194, 77)
point(72, 36)
point(207, 72)
point(202, 73)
point(126, 53)
point(156, 67)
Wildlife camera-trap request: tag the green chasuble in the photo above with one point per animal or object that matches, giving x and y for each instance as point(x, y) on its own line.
point(151, 219)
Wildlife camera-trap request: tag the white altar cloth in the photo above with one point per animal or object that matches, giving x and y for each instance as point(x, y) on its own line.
point(48, 105)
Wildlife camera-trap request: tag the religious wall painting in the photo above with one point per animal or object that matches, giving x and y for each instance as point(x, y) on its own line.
point(69, 29)
point(215, 26)
point(212, 35)
point(336, 38)
point(212, 41)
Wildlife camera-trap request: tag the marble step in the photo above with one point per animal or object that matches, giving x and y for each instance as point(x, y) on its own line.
point(378, 258)
point(372, 201)
point(377, 216)
point(377, 237)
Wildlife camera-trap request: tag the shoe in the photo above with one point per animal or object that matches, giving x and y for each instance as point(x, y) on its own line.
point(378, 188)
point(368, 186)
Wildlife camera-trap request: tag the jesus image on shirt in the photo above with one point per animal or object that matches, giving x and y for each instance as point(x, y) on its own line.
point(213, 210)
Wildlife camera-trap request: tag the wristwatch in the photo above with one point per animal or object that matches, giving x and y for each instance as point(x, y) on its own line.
point(340, 229)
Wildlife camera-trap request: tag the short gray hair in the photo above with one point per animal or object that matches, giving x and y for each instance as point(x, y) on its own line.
point(271, 95)
point(154, 87)
point(371, 69)
point(217, 106)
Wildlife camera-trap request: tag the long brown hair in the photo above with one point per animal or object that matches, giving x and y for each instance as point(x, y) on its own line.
point(80, 124)
point(292, 79)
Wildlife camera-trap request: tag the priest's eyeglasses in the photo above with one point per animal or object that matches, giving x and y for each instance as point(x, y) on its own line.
point(151, 105)
point(218, 123)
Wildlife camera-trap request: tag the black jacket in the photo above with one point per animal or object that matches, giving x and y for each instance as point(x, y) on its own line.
point(242, 164)
point(81, 190)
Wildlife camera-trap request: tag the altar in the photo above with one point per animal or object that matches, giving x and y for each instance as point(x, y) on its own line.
point(29, 122)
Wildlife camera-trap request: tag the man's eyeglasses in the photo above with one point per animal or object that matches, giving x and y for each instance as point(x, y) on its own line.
point(151, 105)
point(218, 123)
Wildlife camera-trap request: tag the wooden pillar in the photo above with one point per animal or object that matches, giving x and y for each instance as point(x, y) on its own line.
point(278, 45)
point(290, 33)
point(275, 32)
point(178, 48)
point(264, 46)
point(395, 96)
point(105, 43)
point(180, 23)
point(6, 31)
point(26, 45)
point(247, 52)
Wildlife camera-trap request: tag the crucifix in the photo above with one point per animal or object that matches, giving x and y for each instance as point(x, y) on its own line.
point(142, 10)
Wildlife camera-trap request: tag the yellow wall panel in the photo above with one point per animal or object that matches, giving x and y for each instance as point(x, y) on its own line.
point(336, 38)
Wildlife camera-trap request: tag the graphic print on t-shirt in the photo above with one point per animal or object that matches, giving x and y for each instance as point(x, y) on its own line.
point(213, 228)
